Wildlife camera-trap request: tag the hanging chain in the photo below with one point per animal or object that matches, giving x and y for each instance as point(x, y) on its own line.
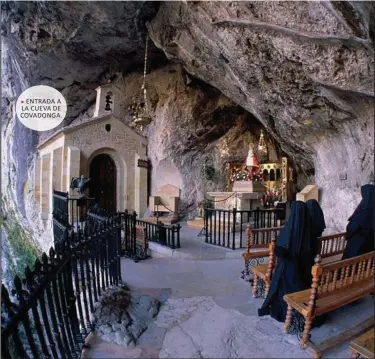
point(144, 76)
point(145, 63)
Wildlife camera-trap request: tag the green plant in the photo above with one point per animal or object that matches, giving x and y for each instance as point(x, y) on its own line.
point(21, 250)
point(209, 203)
point(208, 172)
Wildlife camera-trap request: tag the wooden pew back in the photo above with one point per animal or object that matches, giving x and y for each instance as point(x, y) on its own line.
point(342, 274)
point(333, 285)
point(328, 246)
point(261, 237)
point(331, 245)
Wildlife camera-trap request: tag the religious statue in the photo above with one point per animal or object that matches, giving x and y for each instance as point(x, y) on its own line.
point(81, 183)
point(251, 160)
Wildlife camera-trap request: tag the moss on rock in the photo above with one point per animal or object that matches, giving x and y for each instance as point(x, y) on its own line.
point(19, 250)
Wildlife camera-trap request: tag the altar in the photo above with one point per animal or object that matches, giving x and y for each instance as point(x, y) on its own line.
point(240, 200)
point(245, 196)
point(253, 183)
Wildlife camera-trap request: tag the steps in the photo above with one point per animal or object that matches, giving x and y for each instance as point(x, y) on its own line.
point(196, 223)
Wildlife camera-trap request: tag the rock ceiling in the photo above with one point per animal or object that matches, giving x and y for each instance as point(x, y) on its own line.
point(305, 70)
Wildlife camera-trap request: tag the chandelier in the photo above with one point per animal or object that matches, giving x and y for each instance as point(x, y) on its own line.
point(262, 148)
point(140, 109)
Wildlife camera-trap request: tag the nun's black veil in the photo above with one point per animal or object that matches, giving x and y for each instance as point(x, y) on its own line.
point(317, 227)
point(318, 224)
point(294, 238)
point(360, 229)
point(364, 214)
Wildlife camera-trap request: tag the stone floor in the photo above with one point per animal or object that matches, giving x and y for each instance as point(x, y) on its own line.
point(195, 248)
point(208, 312)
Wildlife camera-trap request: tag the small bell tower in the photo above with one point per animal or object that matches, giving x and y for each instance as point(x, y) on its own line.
point(107, 100)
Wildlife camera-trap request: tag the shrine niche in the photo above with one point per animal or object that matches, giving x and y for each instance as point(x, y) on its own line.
point(103, 148)
point(254, 181)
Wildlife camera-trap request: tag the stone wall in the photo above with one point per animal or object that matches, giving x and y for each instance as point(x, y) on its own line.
point(125, 147)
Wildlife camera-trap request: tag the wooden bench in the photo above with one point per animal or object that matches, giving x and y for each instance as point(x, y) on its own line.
point(257, 247)
point(330, 249)
point(333, 286)
point(363, 345)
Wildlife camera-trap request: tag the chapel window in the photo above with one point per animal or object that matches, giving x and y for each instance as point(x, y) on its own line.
point(108, 101)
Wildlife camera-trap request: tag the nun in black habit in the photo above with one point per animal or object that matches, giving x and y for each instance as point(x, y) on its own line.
point(360, 229)
point(318, 224)
point(293, 246)
point(317, 227)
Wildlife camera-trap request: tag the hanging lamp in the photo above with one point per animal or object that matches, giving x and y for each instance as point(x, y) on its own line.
point(141, 107)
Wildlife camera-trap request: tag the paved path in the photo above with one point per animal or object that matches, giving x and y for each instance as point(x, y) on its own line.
point(195, 248)
point(208, 312)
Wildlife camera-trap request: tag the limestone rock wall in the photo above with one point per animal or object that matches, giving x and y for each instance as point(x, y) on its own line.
point(305, 70)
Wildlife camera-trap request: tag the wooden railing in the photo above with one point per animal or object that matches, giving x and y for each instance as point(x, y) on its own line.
point(333, 285)
point(341, 274)
point(328, 247)
point(331, 245)
point(259, 239)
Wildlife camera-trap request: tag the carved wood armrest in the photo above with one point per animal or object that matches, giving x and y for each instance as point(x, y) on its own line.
point(271, 262)
point(254, 255)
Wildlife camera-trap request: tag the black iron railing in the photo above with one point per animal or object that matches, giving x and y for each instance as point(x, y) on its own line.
point(126, 224)
point(47, 314)
point(227, 228)
point(69, 213)
point(78, 209)
point(164, 234)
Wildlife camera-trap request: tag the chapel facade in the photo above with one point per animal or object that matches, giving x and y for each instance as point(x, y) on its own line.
point(102, 148)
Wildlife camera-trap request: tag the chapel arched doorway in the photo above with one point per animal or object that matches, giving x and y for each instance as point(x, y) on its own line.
point(103, 182)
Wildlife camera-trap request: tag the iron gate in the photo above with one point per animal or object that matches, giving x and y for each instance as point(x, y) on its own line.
point(60, 215)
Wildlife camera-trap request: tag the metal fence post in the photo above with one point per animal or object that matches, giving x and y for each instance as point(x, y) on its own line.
point(134, 237)
point(178, 227)
point(171, 232)
point(118, 246)
point(234, 229)
point(205, 223)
